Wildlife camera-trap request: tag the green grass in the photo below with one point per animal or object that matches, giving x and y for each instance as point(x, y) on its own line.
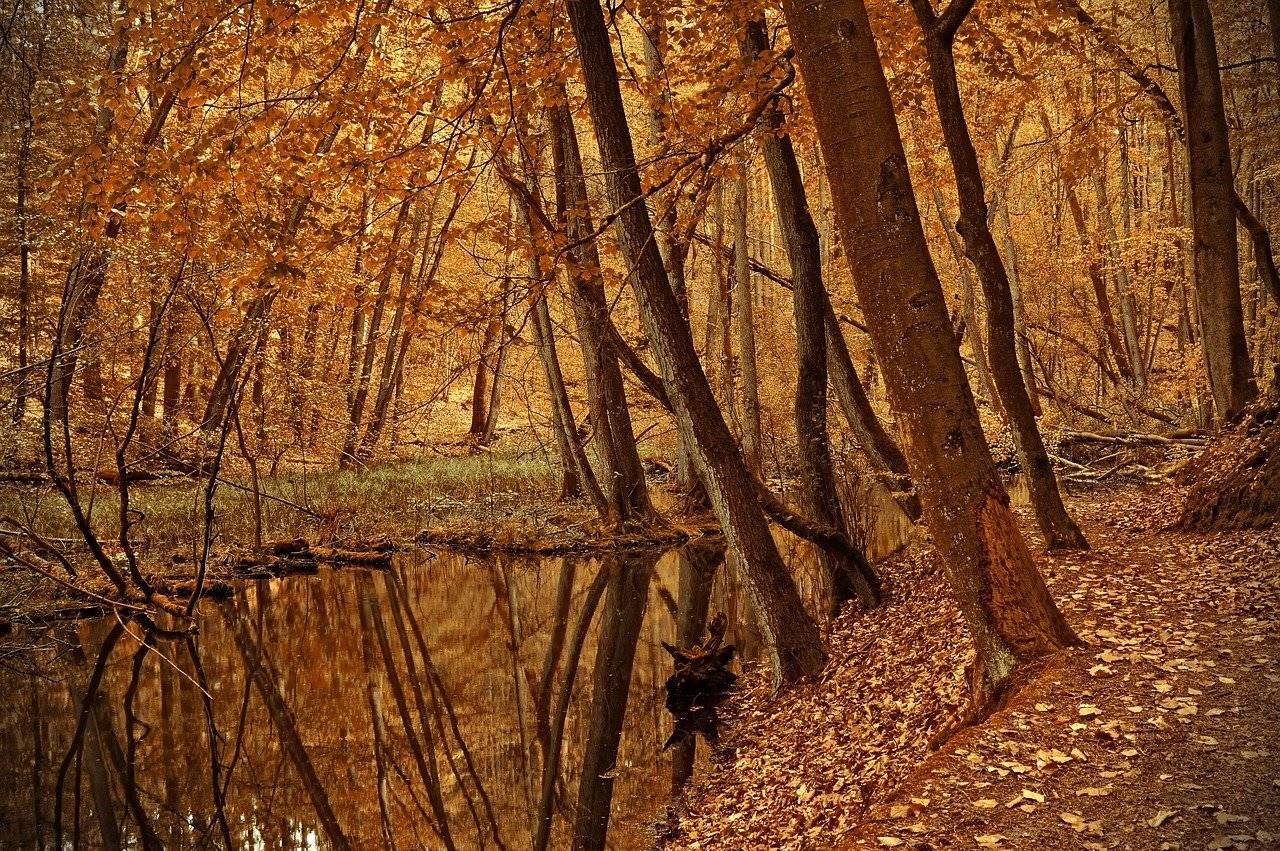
point(393, 500)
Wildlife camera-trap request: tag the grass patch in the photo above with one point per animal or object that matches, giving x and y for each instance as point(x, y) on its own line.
point(394, 500)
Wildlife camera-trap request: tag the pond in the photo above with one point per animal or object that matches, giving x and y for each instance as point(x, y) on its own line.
point(445, 702)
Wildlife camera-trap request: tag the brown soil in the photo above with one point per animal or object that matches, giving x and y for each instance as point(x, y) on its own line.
point(1163, 733)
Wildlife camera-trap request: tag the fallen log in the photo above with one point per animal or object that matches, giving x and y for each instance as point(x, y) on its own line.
point(1134, 439)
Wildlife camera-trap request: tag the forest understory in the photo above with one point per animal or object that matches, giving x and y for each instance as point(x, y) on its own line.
point(1162, 731)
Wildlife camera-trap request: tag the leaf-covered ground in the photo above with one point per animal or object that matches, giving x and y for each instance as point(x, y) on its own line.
point(1164, 732)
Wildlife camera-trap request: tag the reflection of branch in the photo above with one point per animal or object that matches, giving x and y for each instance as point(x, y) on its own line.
point(371, 619)
point(77, 737)
point(206, 699)
point(551, 766)
point(442, 696)
point(259, 667)
point(129, 770)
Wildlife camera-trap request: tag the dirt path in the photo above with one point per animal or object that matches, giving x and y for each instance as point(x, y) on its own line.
point(1163, 733)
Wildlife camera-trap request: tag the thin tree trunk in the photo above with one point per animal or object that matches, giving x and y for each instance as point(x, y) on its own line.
point(1022, 343)
point(480, 386)
point(25, 384)
point(1004, 600)
point(573, 458)
point(979, 343)
point(369, 355)
point(1059, 530)
point(744, 319)
point(800, 237)
point(795, 644)
point(1099, 284)
point(1133, 349)
point(614, 434)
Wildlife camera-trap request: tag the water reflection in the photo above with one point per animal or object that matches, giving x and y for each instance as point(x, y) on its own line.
point(443, 703)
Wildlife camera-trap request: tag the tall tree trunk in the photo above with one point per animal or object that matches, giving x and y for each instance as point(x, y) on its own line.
point(1004, 599)
point(1213, 212)
point(673, 251)
point(25, 384)
point(1022, 343)
point(578, 475)
point(744, 319)
point(821, 499)
point(1059, 530)
point(795, 644)
point(979, 342)
point(614, 434)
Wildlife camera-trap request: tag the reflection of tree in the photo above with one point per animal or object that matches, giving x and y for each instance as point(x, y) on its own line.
point(260, 668)
point(621, 617)
point(551, 763)
point(403, 613)
point(75, 752)
point(424, 751)
point(216, 784)
point(698, 564)
point(216, 762)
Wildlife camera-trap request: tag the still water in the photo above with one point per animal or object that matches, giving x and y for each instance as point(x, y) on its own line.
point(444, 703)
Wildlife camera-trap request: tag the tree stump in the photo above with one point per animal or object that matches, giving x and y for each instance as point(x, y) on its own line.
point(701, 682)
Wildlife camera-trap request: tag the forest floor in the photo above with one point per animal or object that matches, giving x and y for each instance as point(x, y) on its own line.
point(1163, 732)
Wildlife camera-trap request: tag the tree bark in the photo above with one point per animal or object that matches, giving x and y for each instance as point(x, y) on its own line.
point(795, 644)
point(800, 237)
point(1059, 530)
point(1213, 210)
point(744, 320)
point(614, 434)
point(1004, 599)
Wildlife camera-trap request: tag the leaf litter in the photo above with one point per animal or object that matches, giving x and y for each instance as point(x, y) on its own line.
point(1162, 733)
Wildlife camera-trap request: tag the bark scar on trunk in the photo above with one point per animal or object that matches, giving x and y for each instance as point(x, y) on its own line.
point(1015, 604)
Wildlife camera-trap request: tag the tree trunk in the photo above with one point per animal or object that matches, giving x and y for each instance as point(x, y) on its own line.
point(795, 644)
point(1133, 350)
point(1004, 599)
point(480, 386)
point(24, 388)
point(744, 317)
point(369, 354)
point(1059, 530)
point(578, 475)
point(1099, 283)
point(1213, 213)
point(614, 434)
point(674, 252)
point(979, 343)
point(821, 499)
